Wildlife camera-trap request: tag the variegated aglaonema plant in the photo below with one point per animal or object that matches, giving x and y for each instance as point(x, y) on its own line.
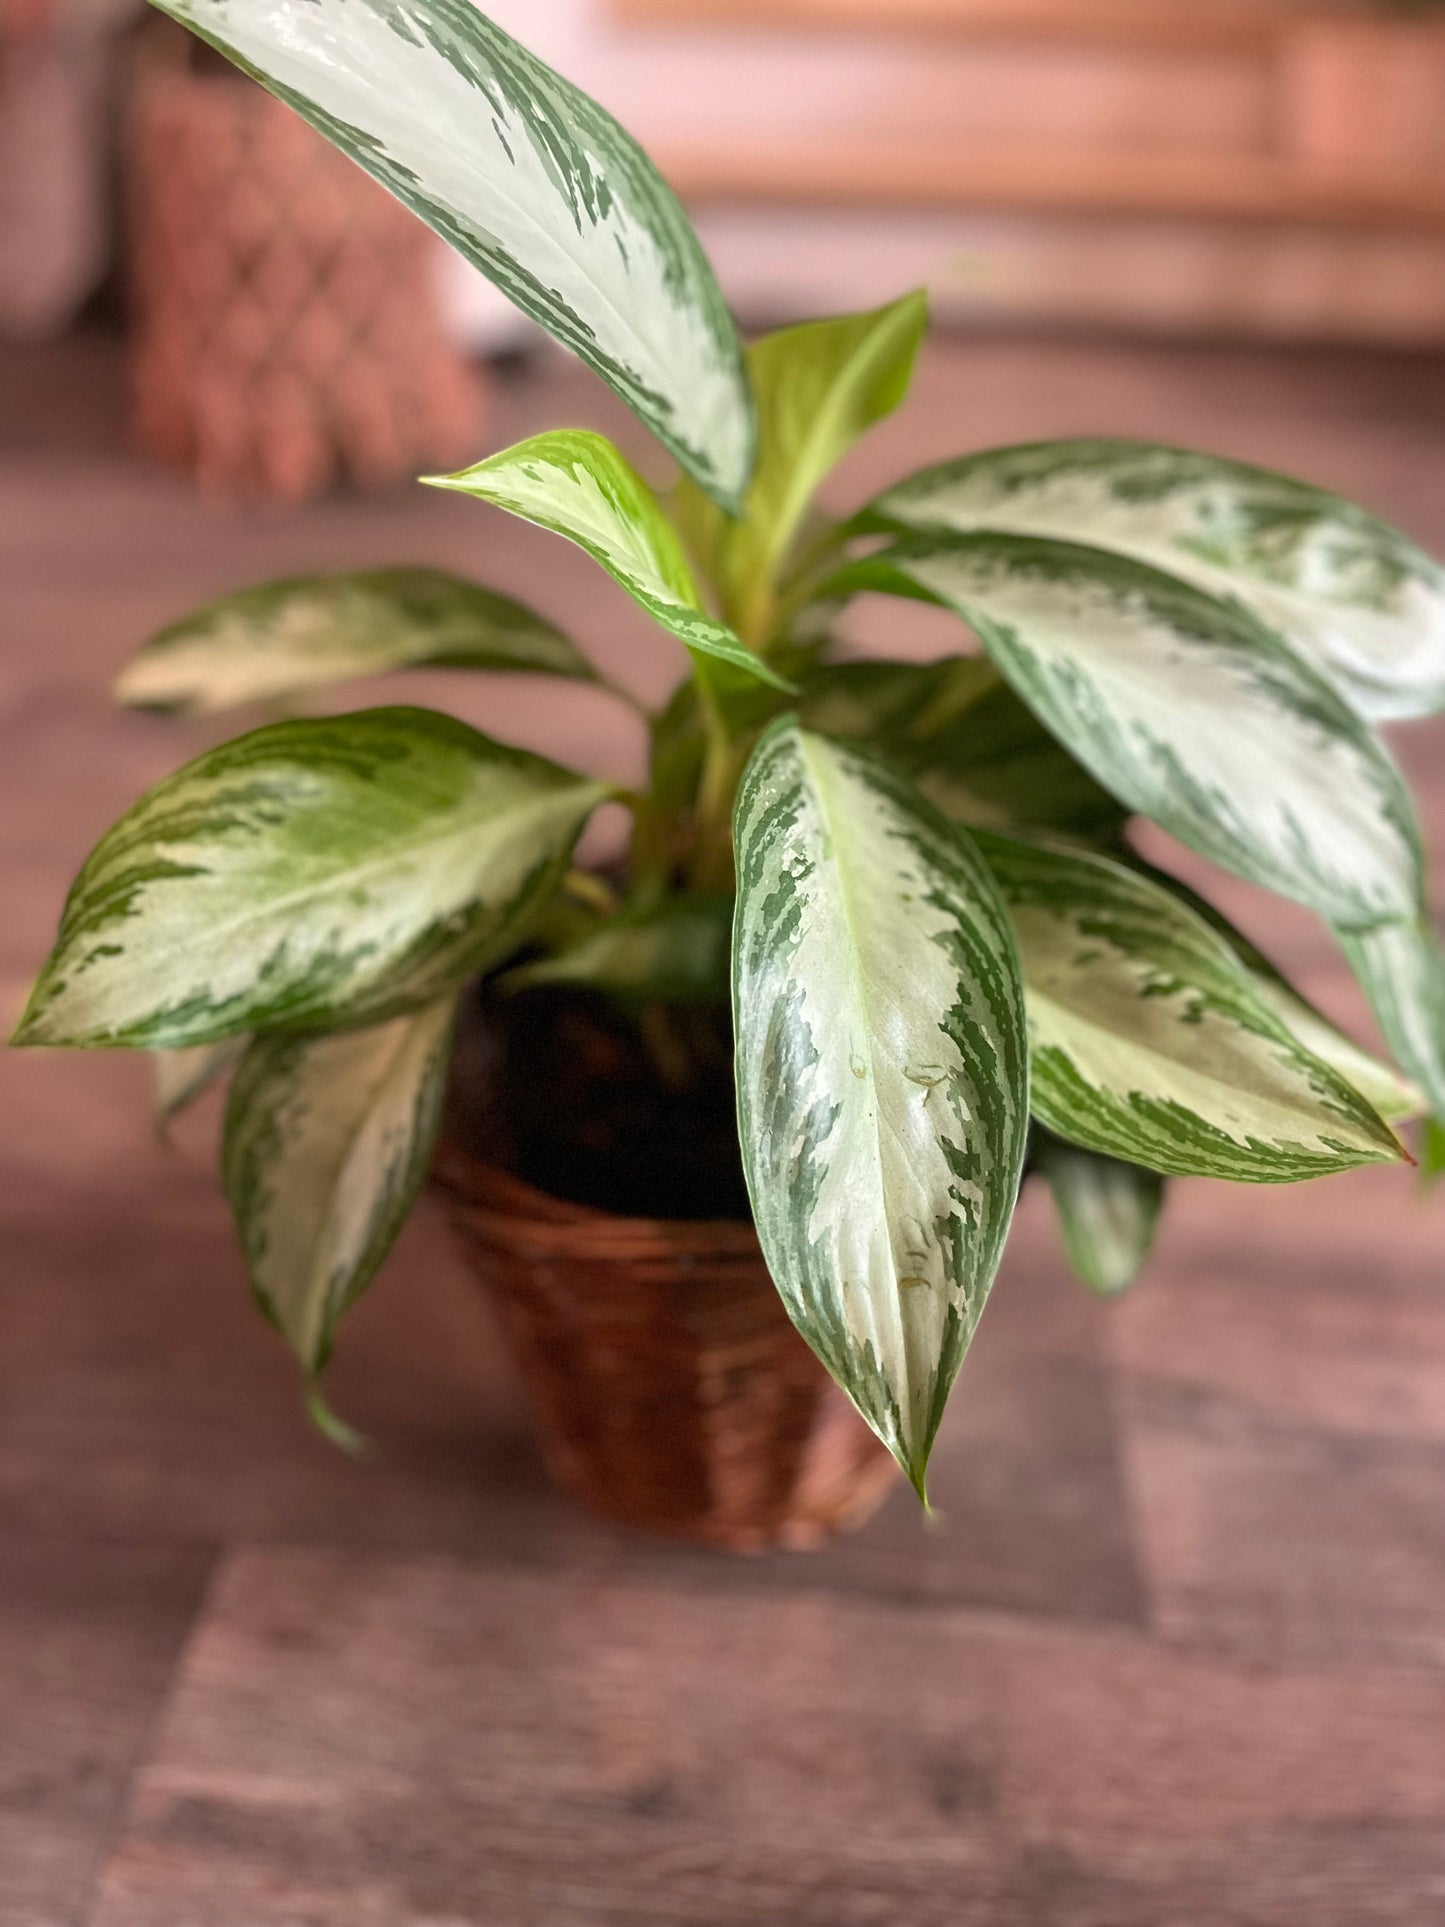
point(940, 931)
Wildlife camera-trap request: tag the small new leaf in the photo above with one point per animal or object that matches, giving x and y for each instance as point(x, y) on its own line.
point(527, 178)
point(818, 387)
point(1108, 1212)
point(882, 1072)
point(578, 485)
point(1354, 596)
point(309, 874)
point(328, 1140)
point(1149, 1042)
point(1186, 709)
point(272, 641)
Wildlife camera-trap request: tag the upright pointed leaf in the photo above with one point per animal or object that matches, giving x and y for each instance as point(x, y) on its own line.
point(528, 179)
point(1401, 968)
point(818, 387)
point(1148, 1042)
point(577, 484)
point(272, 641)
point(1355, 597)
point(328, 1140)
point(1108, 1212)
point(882, 1075)
point(1186, 709)
point(958, 730)
point(311, 873)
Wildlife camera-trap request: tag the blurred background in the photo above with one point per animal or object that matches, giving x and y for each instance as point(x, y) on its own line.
point(1175, 1650)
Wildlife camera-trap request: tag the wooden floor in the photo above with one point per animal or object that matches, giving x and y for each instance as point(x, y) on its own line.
point(1174, 1656)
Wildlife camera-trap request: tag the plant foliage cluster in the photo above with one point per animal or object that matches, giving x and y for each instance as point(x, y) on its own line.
point(943, 946)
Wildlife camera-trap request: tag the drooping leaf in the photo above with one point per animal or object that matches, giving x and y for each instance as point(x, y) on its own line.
point(675, 952)
point(1148, 1040)
point(577, 484)
point(1186, 709)
point(527, 178)
point(818, 388)
point(328, 1140)
point(1108, 1211)
point(311, 873)
point(1401, 968)
point(1384, 1088)
point(1354, 596)
point(272, 641)
point(184, 1075)
point(966, 740)
point(882, 1072)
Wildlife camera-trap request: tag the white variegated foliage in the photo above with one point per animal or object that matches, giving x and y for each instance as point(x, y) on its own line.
point(961, 734)
point(328, 1140)
point(578, 485)
point(1401, 968)
point(1384, 1088)
point(1107, 1211)
point(1186, 709)
point(270, 642)
point(1148, 1040)
point(310, 873)
point(882, 1073)
point(1353, 595)
point(527, 178)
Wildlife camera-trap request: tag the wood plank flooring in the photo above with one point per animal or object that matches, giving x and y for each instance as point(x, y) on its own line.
point(1174, 1654)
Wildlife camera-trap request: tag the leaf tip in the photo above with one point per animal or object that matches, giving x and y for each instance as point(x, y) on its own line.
point(353, 1443)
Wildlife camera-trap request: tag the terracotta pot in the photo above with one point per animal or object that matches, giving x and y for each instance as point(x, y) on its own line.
point(671, 1392)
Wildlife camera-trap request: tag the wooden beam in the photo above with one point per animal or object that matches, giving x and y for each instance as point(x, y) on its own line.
point(1030, 179)
point(1247, 25)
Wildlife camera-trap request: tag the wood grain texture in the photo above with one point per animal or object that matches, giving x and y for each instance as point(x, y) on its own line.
point(89, 1634)
point(1173, 1655)
point(363, 1741)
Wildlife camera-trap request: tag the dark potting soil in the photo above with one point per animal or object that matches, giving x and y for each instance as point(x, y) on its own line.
point(632, 1113)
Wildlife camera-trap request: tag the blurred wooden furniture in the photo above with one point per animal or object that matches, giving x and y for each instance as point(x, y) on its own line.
point(1323, 122)
point(1355, 129)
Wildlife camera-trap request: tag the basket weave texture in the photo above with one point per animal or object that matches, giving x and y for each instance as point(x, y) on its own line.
point(672, 1393)
point(286, 330)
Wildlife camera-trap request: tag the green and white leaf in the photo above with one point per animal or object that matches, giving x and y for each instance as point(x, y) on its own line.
point(1148, 1040)
point(1108, 1212)
point(272, 641)
point(1186, 709)
point(1353, 595)
point(1384, 1088)
point(531, 181)
point(1401, 969)
point(676, 952)
point(312, 873)
point(882, 1072)
point(578, 485)
point(328, 1140)
point(819, 388)
point(962, 735)
point(181, 1076)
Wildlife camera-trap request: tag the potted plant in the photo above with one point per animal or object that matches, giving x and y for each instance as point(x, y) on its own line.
point(915, 880)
